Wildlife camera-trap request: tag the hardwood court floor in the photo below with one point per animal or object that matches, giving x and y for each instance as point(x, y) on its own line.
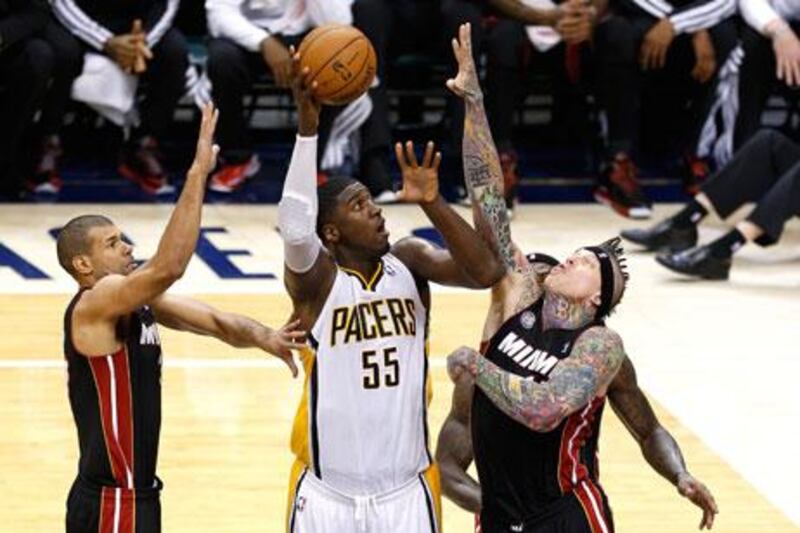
point(226, 421)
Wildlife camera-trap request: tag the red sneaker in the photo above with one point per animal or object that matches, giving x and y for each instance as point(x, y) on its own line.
point(142, 165)
point(696, 173)
point(46, 179)
point(229, 178)
point(618, 188)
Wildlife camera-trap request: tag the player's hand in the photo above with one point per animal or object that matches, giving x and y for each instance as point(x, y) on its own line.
point(205, 158)
point(462, 364)
point(705, 58)
point(653, 54)
point(420, 182)
point(282, 342)
point(308, 107)
point(576, 21)
point(279, 60)
point(466, 83)
point(698, 494)
point(787, 56)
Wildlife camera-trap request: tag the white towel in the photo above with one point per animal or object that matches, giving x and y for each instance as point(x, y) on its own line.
point(543, 38)
point(107, 89)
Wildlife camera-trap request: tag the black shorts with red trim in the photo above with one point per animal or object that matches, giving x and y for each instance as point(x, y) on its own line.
point(92, 509)
point(567, 515)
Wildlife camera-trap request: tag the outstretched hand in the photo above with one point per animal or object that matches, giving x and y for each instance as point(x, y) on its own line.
point(308, 107)
point(420, 182)
point(281, 342)
point(698, 494)
point(205, 158)
point(466, 83)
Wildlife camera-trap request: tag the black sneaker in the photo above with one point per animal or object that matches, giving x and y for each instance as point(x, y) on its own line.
point(663, 237)
point(698, 262)
point(618, 188)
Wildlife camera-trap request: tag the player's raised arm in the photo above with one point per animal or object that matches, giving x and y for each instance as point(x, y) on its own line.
point(468, 260)
point(574, 382)
point(186, 314)
point(116, 295)
point(482, 172)
point(309, 270)
point(658, 446)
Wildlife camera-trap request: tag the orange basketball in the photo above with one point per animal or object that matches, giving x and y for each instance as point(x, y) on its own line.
point(341, 60)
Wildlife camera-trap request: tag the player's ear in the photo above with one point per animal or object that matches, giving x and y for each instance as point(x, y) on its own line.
point(595, 299)
point(330, 233)
point(82, 265)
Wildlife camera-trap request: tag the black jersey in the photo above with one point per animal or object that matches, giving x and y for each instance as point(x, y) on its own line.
point(523, 473)
point(116, 404)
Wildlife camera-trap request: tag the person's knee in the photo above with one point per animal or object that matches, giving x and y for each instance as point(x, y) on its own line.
point(457, 12)
point(39, 62)
point(616, 38)
point(504, 44)
point(370, 13)
point(173, 51)
point(224, 59)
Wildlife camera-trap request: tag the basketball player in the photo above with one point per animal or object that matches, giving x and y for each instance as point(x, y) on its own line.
point(113, 353)
point(549, 362)
point(360, 435)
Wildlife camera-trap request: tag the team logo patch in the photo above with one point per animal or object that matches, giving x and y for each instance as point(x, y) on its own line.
point(528, 319)
point(300, 504)
point(389, 269)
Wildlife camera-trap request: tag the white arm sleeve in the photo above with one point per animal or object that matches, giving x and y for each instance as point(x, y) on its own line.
point(758, 13)
point(297, 210)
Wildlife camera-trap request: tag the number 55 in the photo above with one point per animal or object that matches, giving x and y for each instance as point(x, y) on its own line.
point(373, 371)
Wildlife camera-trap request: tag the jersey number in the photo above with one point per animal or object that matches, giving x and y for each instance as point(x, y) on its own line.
point(373, 371)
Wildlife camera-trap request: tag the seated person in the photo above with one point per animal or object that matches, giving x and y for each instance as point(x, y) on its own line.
point(668, 45)
point(139, 37)
point(250, 37)
point(26, 65)
point(766, 171)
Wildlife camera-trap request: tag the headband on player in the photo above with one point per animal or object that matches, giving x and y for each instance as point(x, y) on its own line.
point(606, 253)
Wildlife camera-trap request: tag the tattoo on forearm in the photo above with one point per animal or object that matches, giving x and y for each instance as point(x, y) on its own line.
point(574, 382)
point(484, 178)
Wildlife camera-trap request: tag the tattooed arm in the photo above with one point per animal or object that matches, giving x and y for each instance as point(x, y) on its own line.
point(574, 382)
point(658, 446)
point(484, 178)
point(454, 448)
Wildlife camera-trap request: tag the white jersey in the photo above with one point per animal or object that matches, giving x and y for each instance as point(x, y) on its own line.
point(362, 427)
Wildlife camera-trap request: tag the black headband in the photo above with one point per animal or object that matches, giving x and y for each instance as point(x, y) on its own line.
point(606, 280)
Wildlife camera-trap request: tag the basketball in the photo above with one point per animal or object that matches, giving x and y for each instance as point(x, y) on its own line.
point(341, 60)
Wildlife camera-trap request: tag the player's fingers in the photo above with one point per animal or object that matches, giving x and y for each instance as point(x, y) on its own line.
point(427, 158)
point(411, 157)
point(466, 38)
point(146, 52)
point(796, 71)
point(456, 48)
point(401, 160)
point(437, 161)
point(289, 360)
